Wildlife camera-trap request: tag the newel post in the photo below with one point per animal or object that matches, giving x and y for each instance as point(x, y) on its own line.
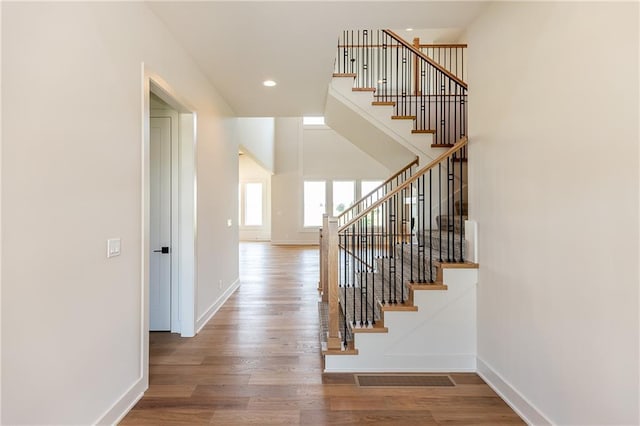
point(324, 247)
point(331, 237)
point(416, 71)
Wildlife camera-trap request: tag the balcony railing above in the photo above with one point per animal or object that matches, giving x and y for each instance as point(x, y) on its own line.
point(412, 80)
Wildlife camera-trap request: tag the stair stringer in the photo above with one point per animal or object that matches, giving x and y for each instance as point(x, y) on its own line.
point(439, 337)
point(399, 131)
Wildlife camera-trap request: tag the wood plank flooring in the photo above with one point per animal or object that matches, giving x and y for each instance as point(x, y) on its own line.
point(258, 362)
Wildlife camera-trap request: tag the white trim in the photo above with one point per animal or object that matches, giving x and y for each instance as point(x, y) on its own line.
point(0, 214)
point(295, 243)
point(518, 402)
point(145, 228)
point(187, 217)
point(395, 370)
point(209, 313)
point(133, 394)
point(123, 405)
point(188, 199)
point(471, 238)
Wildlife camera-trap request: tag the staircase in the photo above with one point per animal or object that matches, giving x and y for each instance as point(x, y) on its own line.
point(393, 99)
point(398, 289)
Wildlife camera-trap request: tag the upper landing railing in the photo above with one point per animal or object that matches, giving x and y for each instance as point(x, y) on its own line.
point(416, 79)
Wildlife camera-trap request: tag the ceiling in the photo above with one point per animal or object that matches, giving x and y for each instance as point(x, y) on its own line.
point(239, 44)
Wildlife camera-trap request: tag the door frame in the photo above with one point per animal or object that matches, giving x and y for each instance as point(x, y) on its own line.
point(184, 238)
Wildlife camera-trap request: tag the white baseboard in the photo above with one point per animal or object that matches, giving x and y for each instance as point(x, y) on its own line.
point(124, 404)
point(294, 243)
point(525, 409)
point(398, 370)
point(209, 313)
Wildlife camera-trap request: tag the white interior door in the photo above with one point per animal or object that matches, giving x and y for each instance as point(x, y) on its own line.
point(160, 223)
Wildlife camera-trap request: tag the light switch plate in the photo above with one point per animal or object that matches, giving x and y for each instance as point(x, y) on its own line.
point(229, 222)
point(113, 247)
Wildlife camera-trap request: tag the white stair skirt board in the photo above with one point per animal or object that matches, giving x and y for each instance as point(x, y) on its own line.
point(380, 117)
point(440, 336)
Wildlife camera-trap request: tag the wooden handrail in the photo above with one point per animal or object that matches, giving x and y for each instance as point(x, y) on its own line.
point(457, 147)
point(433, 45)
point(443, 45)
point(395, 175)
point(425, 57)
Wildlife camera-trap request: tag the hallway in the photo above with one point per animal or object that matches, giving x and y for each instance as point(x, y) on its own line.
point(258, 362)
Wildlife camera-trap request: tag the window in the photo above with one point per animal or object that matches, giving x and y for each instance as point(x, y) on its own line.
point(253, 204)
point(343, 196)
point(366, 186)
point(314, 202)
point(313, 121)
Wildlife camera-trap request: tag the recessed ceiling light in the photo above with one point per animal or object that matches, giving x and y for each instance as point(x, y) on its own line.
point(409, 29)
point(269, 83)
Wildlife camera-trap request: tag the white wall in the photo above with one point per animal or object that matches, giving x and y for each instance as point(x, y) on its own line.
point(554, 188)
point(255, 135)
point(309, 152)
point(71, 178)
point(252, 172)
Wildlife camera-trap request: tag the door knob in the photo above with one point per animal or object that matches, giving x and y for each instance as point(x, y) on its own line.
point(163, 250)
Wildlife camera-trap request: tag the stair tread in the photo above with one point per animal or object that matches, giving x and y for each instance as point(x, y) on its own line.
point(351, 75)
point(458, 265)
point(398, 307)
point(368, 329)
point(416, 131)
point(428, 286)
point(403, 117)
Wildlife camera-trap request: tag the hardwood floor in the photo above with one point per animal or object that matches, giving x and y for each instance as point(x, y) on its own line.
point(258, 362)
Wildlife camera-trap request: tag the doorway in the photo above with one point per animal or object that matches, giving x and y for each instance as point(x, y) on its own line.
point(169, 218)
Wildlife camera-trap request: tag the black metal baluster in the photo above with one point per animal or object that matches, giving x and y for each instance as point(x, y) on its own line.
point(362, 289)
point(383, 231)
point(440, 211)
point(365, 58)
point(455, 114)
point(442, 110)
point(428, 89)
point(402, 231)
point(372, 272)
point(461, 211)
point(364, 236)
point(353, 269)
point(344, 298)
point(392, 258)
point(411, 224)
point(448, 94)
point(430, 225)
point(449, 206)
